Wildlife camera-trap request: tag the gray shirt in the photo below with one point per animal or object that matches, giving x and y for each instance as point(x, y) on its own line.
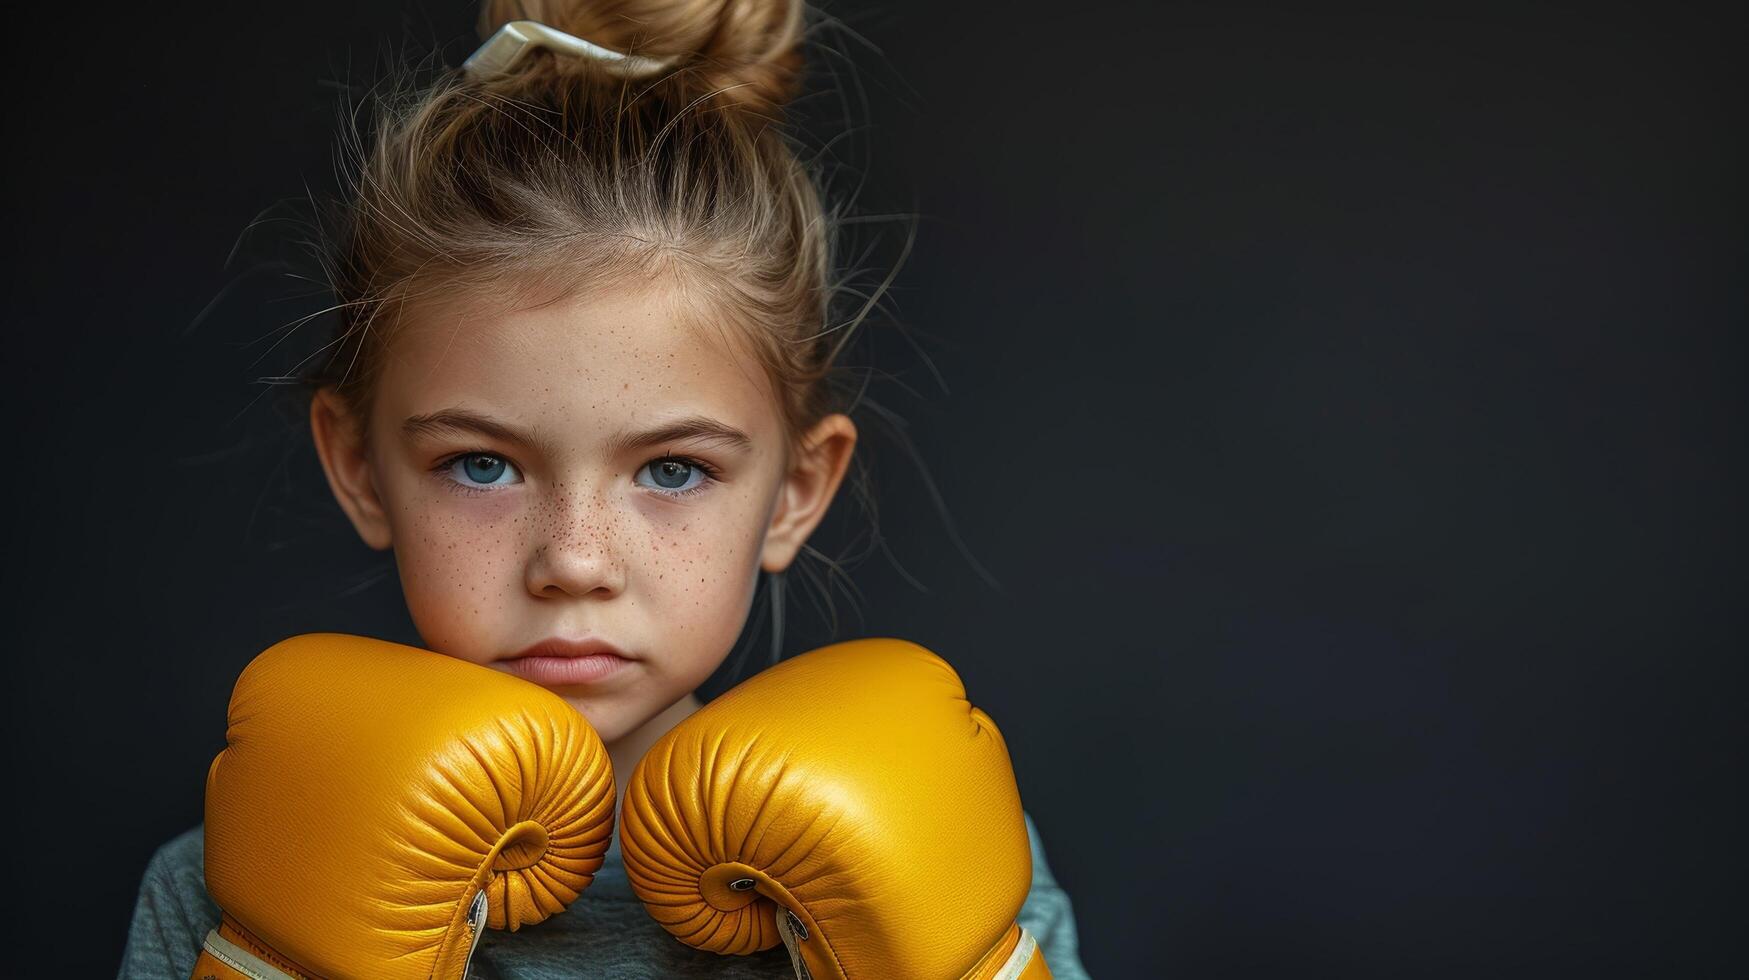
point(605, 933)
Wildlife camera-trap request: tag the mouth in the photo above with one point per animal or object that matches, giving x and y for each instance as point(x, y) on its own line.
point(558, 646)
point(558, 661)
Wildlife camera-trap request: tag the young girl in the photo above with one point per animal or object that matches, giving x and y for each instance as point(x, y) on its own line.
point(580, 388)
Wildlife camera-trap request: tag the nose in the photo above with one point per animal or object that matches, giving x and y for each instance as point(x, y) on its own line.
point(576, 555)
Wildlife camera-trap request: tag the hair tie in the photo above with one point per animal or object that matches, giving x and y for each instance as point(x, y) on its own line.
point(507, 44)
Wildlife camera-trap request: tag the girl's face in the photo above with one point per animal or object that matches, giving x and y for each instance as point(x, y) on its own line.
point(594, 468)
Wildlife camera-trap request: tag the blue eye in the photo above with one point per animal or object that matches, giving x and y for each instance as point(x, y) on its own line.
point(673, 475)
point(475, 470)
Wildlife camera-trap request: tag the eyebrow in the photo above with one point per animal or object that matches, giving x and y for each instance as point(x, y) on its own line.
point(698, 427)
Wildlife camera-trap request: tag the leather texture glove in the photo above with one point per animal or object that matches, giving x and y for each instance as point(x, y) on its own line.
point(378, 805)
point(849, 803)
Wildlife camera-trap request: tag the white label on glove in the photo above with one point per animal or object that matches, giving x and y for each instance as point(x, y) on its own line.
point(477, 926)
point(784, 929)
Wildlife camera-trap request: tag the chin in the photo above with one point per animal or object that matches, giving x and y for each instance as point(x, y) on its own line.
point(605, 723)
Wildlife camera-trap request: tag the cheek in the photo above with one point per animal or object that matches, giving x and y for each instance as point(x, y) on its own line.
point(458, 570)
point(699, 564)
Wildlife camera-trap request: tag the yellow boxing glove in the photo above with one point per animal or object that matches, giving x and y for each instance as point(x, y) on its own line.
point(850, 803)
point(378, 805)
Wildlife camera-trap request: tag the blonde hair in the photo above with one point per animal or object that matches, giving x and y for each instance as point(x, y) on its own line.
point(563, 175)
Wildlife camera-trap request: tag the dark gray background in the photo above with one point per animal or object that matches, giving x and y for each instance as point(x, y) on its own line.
point(1349, 402)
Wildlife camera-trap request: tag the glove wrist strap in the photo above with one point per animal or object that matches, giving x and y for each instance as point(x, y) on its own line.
point(1025, 962)
point(229, 954)
point(1022, 962)
point(1015, 957)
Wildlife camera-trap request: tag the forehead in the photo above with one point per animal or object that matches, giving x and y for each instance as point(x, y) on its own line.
point(587, 364)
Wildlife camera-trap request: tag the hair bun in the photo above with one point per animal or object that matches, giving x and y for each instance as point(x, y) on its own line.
point(748, 50)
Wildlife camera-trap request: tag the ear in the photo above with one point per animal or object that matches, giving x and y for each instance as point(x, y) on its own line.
point(808, 489)
point(340, 443)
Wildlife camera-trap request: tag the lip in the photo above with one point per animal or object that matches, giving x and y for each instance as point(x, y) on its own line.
point(556, 660)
